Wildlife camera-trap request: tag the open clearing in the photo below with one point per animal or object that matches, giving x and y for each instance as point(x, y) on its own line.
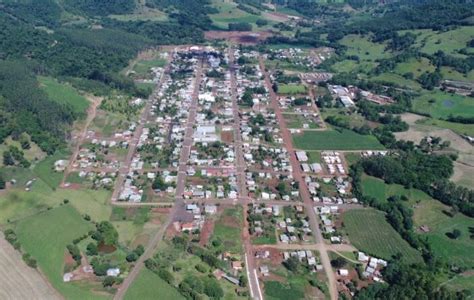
point(18, 281)
point(378, 189)
point(369, 231)
point(335, 140)
point(421, 126)
point(45, 236)
point(64, 94)
point(459, 251)
point(441, 104)
point(362, 47)
point(148, 285)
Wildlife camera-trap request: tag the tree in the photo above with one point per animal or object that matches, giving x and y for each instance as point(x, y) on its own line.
point(339, 262)
point(213, 289)
point(455, 234)
point(2, 183)
point(92, 249)
point(131, 257)
point(108, 281)
point(106, 234)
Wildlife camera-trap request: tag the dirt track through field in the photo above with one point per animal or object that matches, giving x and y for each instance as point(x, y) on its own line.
point(17, 280)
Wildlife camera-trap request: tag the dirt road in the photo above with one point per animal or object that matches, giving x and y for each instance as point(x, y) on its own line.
point(17, 280)
point(178, 205)
point(298, 176)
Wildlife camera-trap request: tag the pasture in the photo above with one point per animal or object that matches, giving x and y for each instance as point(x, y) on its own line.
point(398, 80)
point(63, 93)
point(415, 66)
point(433, 215)
point(365, 49)
point(291, 89)
point(378, 189)
point(148, 285)
point(45, 236)
point(441, 104)
point(45, 169)
point(369, 232)
point(335, 140)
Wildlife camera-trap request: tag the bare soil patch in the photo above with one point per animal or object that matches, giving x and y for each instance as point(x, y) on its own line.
point(206, 232)
point(239, 37)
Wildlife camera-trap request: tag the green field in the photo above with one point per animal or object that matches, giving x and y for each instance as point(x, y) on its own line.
point(148, 285)
point(45, 169)
point(229, 13)
point(398, 80)
point(466, 129)
point(64, 94)
point(143, 67)
point(374, 187)
point(362, 47)
point(450, 42)
point(451, 74)
point(368, 231)
point(228, 229)
point(463, 282)
point(415, 66)
point(291, 89)
point(335, 140)
point(459, 251)
point(348, 66)
point(45, 236)
point(297, 121)
point(441, 104)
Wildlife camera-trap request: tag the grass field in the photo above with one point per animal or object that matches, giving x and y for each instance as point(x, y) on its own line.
point(228, 229)
point(33, 154)
point(335, 140)
point(463, 282)
point(64, 94)
point(353, 66)
point(449, 42)
point(148, 285)
point(297, 121)
point(415, 66)
point(368, 231)
point(398, 80)
point(143, 67)
point(467, 129)
point(291, 89)
point(378, 189)
point(45, 169)
point(451, 74)
point(440, 104)
point(45, 236)
point(362, 47)
point(229, 13)
point(459, 251)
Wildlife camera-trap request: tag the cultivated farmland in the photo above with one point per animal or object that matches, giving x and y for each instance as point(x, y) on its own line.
point(335, 140)
point(369, 231)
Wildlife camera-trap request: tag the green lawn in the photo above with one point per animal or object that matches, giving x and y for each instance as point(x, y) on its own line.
point(368, 231)
point(335, 140)
point(291, 89)
point(45, 236)
point(45, 169)
point(441, 104)
point(459, 251)
point(148, 285)
point(378, 189)
point(63, 93)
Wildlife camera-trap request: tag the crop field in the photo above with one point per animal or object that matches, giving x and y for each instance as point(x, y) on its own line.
point(335, 140)
point(148, 285)
point(362, 47)
point(291, 89)
point(64, 94)
point(441, 104)
point(378, 189)
point(368, 231)
point(460, 250)
point(45, 236)
point(18, 280)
